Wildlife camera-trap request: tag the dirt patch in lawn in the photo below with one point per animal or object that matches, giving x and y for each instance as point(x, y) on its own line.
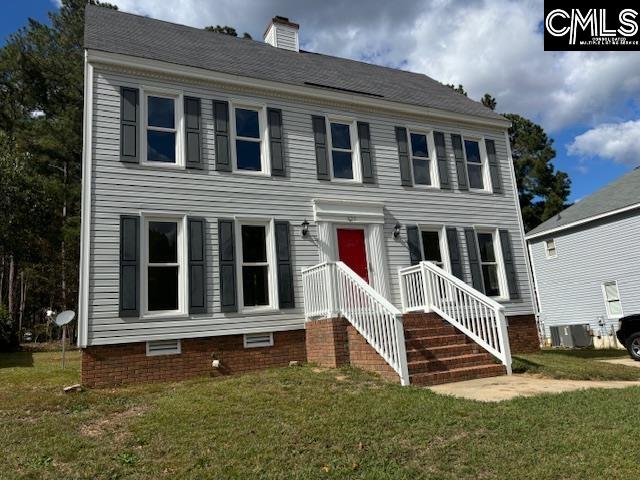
point(112, 422)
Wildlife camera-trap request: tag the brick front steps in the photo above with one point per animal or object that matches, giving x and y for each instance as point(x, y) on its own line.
point(438, 353)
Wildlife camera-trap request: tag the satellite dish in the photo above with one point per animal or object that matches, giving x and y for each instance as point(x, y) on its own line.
point(65, 317)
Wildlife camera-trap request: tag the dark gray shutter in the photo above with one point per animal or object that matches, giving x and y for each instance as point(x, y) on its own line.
point(285, 270)
point(129, 138)
point(509, 264)
point(129, 266)
point(227, 248)
point(413, 240)
point(403, 156)
point(320, 139)
point(455, 259)
point(494, 166)
point(274, 118)
point(461, 168)
point(197, 266)
point(443, 161)
point(221, 124)
point(364, 139)
point(193, 125)
point(474, 259)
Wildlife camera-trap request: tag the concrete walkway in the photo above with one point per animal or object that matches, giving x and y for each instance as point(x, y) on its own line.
point(497, 389)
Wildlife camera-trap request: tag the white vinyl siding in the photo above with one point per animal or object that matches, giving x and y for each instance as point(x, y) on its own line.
point(121, 189)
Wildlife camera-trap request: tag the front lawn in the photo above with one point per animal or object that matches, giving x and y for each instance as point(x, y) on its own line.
point(576, 365)
point(301, 422)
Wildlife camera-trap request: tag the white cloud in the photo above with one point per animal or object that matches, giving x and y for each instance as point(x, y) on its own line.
point(619, 142)
point(492, 46)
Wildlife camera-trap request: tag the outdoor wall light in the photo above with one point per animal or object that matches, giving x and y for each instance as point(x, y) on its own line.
point(305, 228)
point(396, 230)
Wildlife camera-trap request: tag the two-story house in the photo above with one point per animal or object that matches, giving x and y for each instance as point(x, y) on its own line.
point(247, 204)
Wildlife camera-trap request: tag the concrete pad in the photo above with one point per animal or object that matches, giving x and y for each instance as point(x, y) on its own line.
point(497, 389)
point(627, 362)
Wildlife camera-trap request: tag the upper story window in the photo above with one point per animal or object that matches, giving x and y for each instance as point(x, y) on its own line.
point(550, 248)
point(342, 145)
point(256, 269)
point(490, 264)
point(163, 273)
point(477, 168)
point(612, 299)
point(433, 247)
point(250, 149)
point(161, 145)
point(420, 161)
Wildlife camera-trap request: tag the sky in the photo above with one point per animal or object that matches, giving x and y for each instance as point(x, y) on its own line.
point(588, 102)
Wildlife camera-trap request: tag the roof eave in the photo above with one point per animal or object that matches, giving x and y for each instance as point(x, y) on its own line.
point(161, 67)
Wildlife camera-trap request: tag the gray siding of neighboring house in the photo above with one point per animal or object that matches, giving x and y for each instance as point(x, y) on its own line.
point(570, 286)
point(119, 188)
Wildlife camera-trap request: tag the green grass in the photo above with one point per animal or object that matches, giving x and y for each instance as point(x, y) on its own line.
point(576, 365)
point(301, 422)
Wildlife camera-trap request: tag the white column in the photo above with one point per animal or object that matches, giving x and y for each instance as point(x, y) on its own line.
point(378, 259)
point(326, 242)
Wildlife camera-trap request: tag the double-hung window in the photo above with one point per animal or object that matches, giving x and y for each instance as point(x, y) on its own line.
point(163, 272)
point(420, 161)
point(162, 132)
point(489, 263)
point(249, 134)
point(342, 150)
point(612, 299)
point(255, 262)
point(433, 249)
point(475, 157)
point(550, 248)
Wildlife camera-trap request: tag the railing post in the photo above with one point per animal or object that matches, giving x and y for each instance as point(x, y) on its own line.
point(403, 291)
point(402, 352)
point(505, 348)
point(332, 291)
point(426, 284)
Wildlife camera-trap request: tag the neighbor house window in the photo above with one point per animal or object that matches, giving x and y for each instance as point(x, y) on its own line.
point(420, 162)
point(475, 165)
point(489, 263)
point(249, 145)
point(612, 299)
point(163, 269)
point(342, 154)
point(255, 264)
point(432, 247)
point(550, 248)
point(161, 133)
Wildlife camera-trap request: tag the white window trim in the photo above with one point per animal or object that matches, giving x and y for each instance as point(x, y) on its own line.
point(442, 237)
point(355, 148)
point(433, 159)
point(263, 128)
point(547, 249)
point(269, 343)
point(183, 278)
point(497, 249)
point(177, 96)
point(486, 174)
point(268, 223)
point(606, 300)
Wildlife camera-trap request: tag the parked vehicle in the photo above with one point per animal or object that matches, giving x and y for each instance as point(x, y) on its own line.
point(629, 335)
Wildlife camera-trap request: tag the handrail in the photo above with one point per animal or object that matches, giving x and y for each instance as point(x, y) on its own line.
point(332, 289)
point(427, 287)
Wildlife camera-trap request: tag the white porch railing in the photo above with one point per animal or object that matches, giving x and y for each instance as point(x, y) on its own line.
point(427, 287)
point(332, 289)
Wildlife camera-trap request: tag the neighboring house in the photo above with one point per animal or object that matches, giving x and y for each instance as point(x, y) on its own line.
point(586, 261)
point(218, 170)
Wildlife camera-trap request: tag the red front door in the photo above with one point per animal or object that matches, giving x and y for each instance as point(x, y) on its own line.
point(352, 251)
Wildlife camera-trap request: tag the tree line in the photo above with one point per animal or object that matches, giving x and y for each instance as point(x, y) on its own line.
point(41, 108)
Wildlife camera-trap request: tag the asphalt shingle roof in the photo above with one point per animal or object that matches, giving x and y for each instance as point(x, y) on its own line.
point(621, 193)
point(118, 32)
